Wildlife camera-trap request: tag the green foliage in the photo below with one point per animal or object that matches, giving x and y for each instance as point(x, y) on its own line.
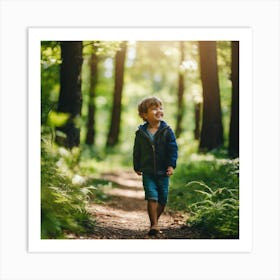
point(217, 215)
point(50, 67)
point(63, 200)
point(208, 188)
point(57, 119)
point(100, 48)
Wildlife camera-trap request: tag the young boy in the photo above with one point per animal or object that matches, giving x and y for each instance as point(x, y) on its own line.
point(155, 154)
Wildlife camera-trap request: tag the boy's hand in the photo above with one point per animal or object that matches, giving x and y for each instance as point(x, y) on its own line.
point(138, 173)
point(170, 171)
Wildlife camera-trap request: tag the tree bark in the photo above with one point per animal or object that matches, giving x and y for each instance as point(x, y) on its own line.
point(180, 99)
point(70, 98)
point(90, 137)
point(212, 130)
point(114, 131)
point(197, 113)
point(234, 120)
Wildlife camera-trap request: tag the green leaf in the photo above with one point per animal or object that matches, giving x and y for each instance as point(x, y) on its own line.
point(57, 119)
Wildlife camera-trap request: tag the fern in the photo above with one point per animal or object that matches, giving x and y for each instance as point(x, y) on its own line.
point(63, 204)
point(217, 215)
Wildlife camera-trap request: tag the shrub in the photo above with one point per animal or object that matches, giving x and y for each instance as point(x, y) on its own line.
point(217, 215)
point(63, 203)
point(208, 189)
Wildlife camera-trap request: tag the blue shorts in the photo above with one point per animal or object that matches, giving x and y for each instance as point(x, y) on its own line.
point(156, 188)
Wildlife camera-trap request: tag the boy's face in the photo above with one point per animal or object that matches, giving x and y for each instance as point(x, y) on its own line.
point(154, 114)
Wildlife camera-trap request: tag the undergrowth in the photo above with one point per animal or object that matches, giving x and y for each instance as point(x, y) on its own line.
point(64, 196)
point(208, 189)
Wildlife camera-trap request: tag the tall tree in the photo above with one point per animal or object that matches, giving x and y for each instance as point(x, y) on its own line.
point(90, 136)
point(212, 129)
point(197, 113)
point(70, 98)
point(181, 86)
point(113, 135)
point(234, 119)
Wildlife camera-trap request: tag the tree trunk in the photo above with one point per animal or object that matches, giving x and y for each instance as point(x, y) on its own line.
point(90, 137)
point(180, 100)
point(197, 113)
point(113, 136)
point(70, 98)
point(212, 130)
point(234, 120)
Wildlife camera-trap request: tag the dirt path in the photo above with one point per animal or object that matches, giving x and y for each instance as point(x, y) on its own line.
point(124, 216)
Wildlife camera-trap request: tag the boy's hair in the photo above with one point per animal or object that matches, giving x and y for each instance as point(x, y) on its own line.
point(146, 103)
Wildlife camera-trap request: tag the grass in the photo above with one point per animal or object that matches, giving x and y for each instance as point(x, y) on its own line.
point(208, 188)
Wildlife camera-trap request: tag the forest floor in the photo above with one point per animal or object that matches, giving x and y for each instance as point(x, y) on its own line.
point(124, 215)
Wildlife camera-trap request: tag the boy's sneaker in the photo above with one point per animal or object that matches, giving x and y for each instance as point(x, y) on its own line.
point(154, 230)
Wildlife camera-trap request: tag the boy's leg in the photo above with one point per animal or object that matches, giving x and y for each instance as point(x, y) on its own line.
point(163, 183)
point(151, 194)
point(160, 209)
point(152, 211)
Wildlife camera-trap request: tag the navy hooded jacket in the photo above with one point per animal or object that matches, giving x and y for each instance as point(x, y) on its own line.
point(154, 156)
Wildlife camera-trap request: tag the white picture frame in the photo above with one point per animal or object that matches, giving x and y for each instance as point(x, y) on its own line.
point(20, 259)
point(243, 35)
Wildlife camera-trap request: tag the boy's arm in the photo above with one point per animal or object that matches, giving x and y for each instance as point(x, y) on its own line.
point(136, 156)
point(172, 150)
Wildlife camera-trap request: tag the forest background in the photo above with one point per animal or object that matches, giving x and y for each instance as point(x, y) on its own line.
point(89, 96)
